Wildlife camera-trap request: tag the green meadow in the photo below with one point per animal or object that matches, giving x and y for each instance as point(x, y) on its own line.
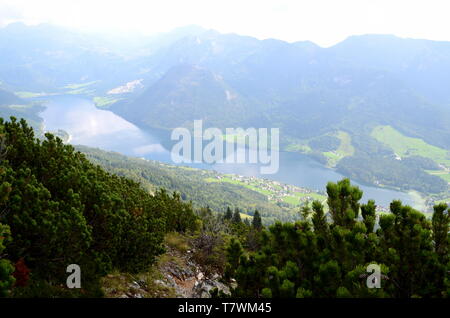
point(101, 101)
point(443, 174)
point(409, 146)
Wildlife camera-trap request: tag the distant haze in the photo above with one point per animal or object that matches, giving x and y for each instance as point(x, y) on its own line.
point(324, 22)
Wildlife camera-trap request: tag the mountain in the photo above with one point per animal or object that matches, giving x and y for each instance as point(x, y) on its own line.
point(47, 58)
point(308, 92)
point(293, 85)
point(345, 92)
point(187, 91)
point(423, 65)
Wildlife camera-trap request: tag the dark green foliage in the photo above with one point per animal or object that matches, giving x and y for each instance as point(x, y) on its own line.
point(6, 268)
point(368, 212)
point(236, 216)
point(256, 222)
point(317, 257)
point(179, 215)
point(343, 202)
point(61, 209)
point(441, 235)
point(319, 220)
point(234, 252)
point(413, 258)
point(228, 215)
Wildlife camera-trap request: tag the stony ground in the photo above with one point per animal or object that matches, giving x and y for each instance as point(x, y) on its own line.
point(176, 275)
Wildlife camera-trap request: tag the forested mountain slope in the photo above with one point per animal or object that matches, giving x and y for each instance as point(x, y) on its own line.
point(192, 184)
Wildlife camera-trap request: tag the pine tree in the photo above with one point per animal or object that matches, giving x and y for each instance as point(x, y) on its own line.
point(441, 239)
point(329, 258)
point(305, 211)
point(441, 223)
point(6, 268)
point(229, 214)
point(319, 219)
point(236, 216)
point(233, 252)
point(368, 212)
point(343, 202)
point(257, 222)
point(406, 241)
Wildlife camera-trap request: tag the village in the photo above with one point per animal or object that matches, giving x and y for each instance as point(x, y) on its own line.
point(275, 191)
point(281, 193)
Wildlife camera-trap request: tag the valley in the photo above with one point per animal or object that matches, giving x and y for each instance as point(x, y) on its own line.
point(349, 120)
point(99, 128)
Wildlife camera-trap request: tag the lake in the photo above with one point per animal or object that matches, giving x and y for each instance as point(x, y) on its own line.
point(90, 126)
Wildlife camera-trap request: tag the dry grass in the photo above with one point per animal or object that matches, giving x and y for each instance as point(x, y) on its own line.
point(118, 284)
point(177, 242)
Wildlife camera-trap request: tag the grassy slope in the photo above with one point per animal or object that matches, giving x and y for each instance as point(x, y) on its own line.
point(71, 89)
point(408, 146)
point(443, 174)
point(104, 101)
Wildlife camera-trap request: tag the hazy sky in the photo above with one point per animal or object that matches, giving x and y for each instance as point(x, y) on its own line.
point(324, 22)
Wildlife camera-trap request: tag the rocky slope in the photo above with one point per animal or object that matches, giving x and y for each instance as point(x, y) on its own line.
point(175, 275)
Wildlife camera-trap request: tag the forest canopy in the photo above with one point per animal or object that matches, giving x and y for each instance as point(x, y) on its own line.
point(57, 208)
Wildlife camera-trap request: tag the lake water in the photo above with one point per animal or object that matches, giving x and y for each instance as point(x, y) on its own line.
point(90, 126)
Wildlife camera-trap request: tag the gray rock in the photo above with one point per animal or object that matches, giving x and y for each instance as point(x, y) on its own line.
point(203, 288)
point(142, 283)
